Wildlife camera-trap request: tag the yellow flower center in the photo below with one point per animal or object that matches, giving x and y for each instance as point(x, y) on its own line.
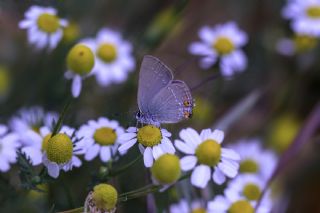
point(304, 42)
point(241, 206)
point(251, 191)
point(107, 52)
point(166, 169)
point(59, 148)
point(198, 210)
point(209, 153)
point(149, 135)
point(45, 142)
point(80, 59)
point(313, 12)
point(105, 196)
point(105, 136)
point(48, 23)
point(249, 166)
point(223, 45)
point(71, 32)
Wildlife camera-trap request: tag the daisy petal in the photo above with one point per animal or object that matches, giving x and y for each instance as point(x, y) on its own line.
point(105, 153)
point(217, 135)
point(228, 168)
point(230, 154)
point(188, 162)
point(76, 86)
point(200, 176)
point(147, 157)
point(53, 169)
point(124, 147)
point(183, 147)
point(218, 176)
point(92, 152)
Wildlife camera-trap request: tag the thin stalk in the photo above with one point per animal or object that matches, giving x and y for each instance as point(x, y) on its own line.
point(125, 167)
point(211, 78)
point(62, 116)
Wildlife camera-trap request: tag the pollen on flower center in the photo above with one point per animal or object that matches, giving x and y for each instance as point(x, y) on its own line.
point(105, 196)
point(249, 166)
point(105, 136)
point(45, 140)
point(209, 153)
point(251, 191)
point(166, 169)
point(107, 52)
point(241, 206)
point(223, 45)
point(48, 23)
point(149, 135)
point(198, 210)
point(313, 12)
point(80, 59)
point(59, 148)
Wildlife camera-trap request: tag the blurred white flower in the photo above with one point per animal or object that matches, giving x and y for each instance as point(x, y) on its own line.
point(153, 142)
point(31, 119)
point(295, 45)
point(236, 204)
point(247, 187)
point(204, 154)
point(255, 159)
point(59, 152)
point(43, 26)
point(222, 41)
point(8, 148)
point(34, 149)
point(99, 137)
point(184, 207)
point(304, 16)
point(113, 57)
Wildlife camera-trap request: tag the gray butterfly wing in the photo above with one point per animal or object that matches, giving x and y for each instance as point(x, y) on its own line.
point(172, 104)
point(154, 76)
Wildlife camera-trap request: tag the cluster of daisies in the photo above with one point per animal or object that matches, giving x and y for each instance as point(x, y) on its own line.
point(304, 17)
point(107, 56)
point(245, 166)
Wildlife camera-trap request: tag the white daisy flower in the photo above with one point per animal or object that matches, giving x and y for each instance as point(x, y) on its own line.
point(80, 61)
point(295, 45)
point(8, 148)
point(255, 159)
point(205, 156)
point(153, 142)
point(247, 187)
point(99, 137)
point(222, 41)
point(37, 144)
point(184, 207)
point(113, 57)
point(59, 152)
point(31, 118)
point(43, 26)
point(305, 16)
point(236, 204)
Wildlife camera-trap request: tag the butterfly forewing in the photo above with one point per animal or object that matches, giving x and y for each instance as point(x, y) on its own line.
point(154, 76)
point(172, 104)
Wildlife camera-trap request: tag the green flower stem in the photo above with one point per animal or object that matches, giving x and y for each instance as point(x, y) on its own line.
point(125, 167)
point(139, 192)
point(62, 115)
